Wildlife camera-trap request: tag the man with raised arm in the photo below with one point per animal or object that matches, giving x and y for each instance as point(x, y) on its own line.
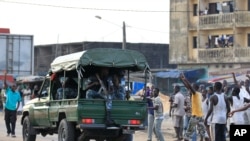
point(244, 94)
point(196, 119)
point(13, 100)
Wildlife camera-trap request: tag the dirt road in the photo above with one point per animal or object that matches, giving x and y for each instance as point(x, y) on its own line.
point(138, 136)
point(167, 129)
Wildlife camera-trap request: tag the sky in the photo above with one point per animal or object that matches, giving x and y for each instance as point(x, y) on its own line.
point(64, 21)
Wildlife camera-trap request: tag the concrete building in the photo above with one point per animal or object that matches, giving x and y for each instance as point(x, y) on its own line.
point(16, 53)
point(213, 34)
point(156, 54)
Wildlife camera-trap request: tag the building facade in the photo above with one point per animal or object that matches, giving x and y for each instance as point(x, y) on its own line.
point(214, 34)
point(156, 54)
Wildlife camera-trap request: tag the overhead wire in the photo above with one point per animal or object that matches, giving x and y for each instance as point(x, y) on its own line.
point(83, 8)
point(125, 10)
point(99, 9)
point(151, 30)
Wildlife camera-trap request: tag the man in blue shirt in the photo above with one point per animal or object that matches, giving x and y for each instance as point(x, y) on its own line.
point(151, 129)
point(13, 100)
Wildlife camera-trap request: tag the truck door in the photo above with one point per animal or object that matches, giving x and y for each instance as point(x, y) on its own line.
point(41, 108)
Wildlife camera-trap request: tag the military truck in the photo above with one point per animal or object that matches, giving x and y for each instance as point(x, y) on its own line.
point(72, 116)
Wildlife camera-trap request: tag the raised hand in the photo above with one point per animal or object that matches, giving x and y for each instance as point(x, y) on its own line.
point(230, 114)
point(182, 76)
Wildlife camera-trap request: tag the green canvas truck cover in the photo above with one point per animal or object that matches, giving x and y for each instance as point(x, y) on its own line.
point(102, 57)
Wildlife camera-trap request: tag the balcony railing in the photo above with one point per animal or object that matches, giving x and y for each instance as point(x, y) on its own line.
point(224, 55)
point(242, 17)
point(224, 20)
point(216, 19)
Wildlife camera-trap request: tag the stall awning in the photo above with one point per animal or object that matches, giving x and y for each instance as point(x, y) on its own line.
point(169, 74)
point(191, 73)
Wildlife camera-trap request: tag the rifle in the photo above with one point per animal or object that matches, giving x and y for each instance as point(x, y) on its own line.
point(103, 88)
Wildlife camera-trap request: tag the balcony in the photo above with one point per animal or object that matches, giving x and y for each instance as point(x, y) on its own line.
point(242, 19)
point(224, 55)
point(216, 21)
point(226, 20)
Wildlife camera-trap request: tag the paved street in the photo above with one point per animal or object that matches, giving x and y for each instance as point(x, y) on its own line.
point(139, 135)
point(19, 132)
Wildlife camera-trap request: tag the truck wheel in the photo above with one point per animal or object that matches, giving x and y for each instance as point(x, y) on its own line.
point(66, 131)
point(28, 131)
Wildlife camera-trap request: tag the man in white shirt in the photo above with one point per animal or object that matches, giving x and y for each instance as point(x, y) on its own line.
point(26, 94)
point(179, 112)
point(236, 102)
point(158, 113)
point(219, 107)
point(244, 94)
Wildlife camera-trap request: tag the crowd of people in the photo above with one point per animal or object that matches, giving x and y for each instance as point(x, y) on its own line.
point(204, 111)
point(209, 111)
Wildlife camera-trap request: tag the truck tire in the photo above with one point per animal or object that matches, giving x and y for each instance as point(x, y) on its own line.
point(28, 131)
point(66, 131)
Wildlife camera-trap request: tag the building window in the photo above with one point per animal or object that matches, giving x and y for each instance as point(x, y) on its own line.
point(214, 8)
point(248, 39)
point(195, 42)
point(195, 9)
point(248, 5)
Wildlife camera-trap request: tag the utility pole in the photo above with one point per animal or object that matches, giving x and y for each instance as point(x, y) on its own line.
point(123, 30)
point(124, 35)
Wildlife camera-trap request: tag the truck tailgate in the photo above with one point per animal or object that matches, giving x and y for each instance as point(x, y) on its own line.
point(121, 112)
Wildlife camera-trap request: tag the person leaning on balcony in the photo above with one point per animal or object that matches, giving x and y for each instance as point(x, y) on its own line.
point(206, 11)
point(206, 45)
